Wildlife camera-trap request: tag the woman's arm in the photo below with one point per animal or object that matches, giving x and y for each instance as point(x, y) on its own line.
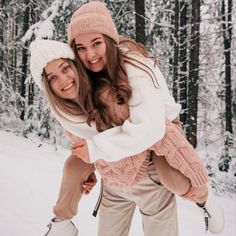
point(145, 126)
point(84, 155)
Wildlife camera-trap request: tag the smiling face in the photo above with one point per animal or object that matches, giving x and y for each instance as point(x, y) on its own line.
point(62, 79)
point(91, 49)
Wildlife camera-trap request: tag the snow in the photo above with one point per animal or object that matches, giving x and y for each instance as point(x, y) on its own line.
point(30, 176)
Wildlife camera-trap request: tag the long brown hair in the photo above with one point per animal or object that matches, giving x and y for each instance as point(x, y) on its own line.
point(116, 74)
point(100, 112)
point(138, 49)
point(109, 106)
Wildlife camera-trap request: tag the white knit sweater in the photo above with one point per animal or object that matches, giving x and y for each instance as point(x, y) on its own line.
point(149, 106)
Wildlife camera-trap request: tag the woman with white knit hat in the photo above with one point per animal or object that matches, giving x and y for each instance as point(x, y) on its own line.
point(77, 105)
point(54, 71)
point(73, 185)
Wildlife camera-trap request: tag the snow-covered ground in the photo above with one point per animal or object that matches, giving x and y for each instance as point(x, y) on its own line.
point(29, 182)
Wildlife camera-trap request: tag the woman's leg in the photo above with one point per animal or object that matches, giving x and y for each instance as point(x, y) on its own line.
point(176, 181)
point(115, 213)
point(75, 172)
point(157, 206)
point(171, 178)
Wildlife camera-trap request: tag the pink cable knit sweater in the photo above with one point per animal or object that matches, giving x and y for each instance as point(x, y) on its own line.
point(178, 152)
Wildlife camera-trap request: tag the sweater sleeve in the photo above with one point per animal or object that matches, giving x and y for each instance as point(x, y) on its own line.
point(145, 126)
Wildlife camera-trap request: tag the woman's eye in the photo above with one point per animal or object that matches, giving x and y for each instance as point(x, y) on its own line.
point(80, 49)
point(97, 43)
point(51, 79)
point(66, 68)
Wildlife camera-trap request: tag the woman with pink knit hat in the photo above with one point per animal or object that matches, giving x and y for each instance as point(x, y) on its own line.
point(131, 128)
point(137, 82)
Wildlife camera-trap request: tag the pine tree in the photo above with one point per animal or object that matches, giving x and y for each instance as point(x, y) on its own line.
point(140, 21)
point(183, 49)
point(175, 44)
point(191, 129)
point(227, 36)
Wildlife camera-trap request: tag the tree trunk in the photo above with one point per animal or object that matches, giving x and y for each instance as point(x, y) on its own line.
point(24, 58)
point(183, 76)
point(140, 21)
point(176, 52)
point(227, 36)
point(191, 128)
point(33, 17)
point(3, 14)
point(30, 94)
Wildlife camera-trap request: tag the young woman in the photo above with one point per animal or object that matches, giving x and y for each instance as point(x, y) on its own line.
point(66, 93)
point(136, 81)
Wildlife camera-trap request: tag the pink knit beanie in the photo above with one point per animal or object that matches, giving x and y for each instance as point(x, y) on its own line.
point(92, 17)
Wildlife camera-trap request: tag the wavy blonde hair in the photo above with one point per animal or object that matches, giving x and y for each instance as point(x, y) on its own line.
point(82, 105)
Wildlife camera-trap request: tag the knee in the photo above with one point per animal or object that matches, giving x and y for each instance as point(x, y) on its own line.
point(73, 164)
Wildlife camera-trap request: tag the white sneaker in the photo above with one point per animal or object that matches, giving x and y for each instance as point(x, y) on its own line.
point(213, 215)
point(62, 228)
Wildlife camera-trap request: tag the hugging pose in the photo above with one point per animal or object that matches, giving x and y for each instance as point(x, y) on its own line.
point(112, 100)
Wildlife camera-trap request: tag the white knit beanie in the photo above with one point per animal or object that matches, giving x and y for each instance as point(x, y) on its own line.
point(44, 51)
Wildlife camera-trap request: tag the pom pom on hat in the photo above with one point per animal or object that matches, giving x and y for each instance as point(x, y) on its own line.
point(92, 17)
point(44, 51)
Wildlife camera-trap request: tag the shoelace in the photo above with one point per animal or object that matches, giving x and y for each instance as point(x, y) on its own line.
point(49, 228)
point(206, 218)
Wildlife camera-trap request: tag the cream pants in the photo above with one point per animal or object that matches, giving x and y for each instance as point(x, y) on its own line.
point(151, 195)
point(156, 204)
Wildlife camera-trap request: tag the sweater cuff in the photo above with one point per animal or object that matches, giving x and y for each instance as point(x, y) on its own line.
point(94, 152)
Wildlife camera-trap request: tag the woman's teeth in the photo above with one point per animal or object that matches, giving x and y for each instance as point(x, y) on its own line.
point(68, 87)
point(94, 61)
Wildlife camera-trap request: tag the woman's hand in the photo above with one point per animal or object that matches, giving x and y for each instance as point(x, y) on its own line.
point(89, 183)
point(80, 149)
point(197, 194)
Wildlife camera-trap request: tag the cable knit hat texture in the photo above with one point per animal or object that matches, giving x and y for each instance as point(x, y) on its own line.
point(92, 17)
point(44, 51)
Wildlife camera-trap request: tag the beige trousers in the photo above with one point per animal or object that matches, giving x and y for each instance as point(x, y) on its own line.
point(156, 203)
point(157, 206)
point(75, 172)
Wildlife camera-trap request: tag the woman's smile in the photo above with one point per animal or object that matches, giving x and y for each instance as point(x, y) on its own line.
point(62, 79)
point(68, 86)
point(91, 49)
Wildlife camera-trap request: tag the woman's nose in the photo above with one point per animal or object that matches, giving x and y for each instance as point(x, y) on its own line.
point(90, 54)
point(63, 78)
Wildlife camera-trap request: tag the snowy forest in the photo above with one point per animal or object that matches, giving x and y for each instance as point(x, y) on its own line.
point(194, 42)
